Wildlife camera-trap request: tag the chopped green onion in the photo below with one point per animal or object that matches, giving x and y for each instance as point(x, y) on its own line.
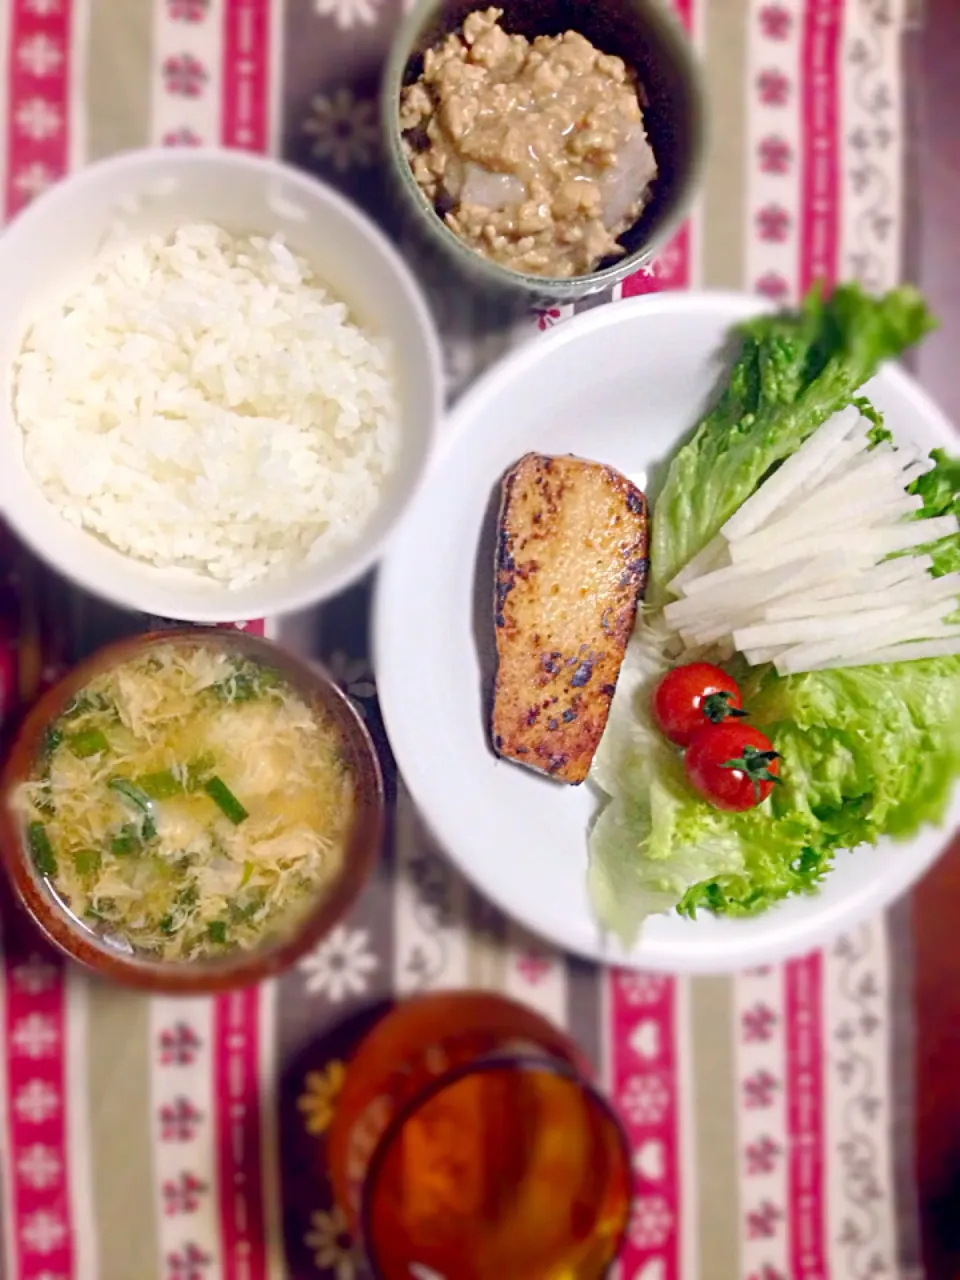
point(52, 737)
point(226, 801)
point(140, 801)
point(238, 914)
point(217, 931)
point(130, 791)
point(198, 769)
point(127, 840)
point(247, 873)
point(168, 783)
point(86, 860)
point(166, 925)
point(41, 850)
point(88, 742)
point(160, 786)
point(246, 683)
point(189, 896)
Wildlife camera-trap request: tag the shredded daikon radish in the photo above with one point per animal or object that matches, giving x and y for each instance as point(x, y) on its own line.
point(887, 574)
point(835, 563)
point(864, 509)
point(759, 657)
point(713, 556)
point(946, 647)
point(856, 443)
point(795, 631)
point(868, 542)
point(788, 479)
point(838, 651)
point(923, 591)
point(753, 589)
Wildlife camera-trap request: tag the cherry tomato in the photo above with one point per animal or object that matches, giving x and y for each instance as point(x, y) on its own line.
point(689, 698)
point(732, 765)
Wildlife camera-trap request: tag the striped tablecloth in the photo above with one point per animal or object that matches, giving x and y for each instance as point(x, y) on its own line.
point(180, 1139)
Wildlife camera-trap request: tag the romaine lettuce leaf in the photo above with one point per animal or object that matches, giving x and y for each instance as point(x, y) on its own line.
point(794, 371)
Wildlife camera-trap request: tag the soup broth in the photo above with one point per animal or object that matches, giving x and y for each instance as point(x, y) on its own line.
point(188, 801)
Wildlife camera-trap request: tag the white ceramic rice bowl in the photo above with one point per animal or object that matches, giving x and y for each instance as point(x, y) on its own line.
point(47, 250)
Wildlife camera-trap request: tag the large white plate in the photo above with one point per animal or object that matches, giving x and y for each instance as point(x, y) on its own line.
point(623, 385)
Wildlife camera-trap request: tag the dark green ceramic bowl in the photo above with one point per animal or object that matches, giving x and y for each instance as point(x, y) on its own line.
point(650, 39)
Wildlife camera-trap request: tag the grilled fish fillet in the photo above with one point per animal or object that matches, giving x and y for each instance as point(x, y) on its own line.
point(571, 564)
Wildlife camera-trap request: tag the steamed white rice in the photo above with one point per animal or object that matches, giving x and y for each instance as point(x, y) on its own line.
point(204, 402)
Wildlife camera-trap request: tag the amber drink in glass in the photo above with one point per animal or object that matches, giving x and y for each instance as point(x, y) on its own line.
point(469, 1144)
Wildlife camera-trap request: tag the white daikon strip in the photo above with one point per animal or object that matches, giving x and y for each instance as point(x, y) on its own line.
point(713, 556)
point(720, 621)
point(751, 590)
point(757, 657)
point(794, 631)
point(865, 509)
point(886, 574)
point(879, 467)
point(874, 543)
point(838, 651)
point(916, 470)
point(809, 568)
point(787, 480)
point(895, 509)
point(945, 647)
point(879, 463)
point(840, 458)
point(924, 591)
point(712, 634)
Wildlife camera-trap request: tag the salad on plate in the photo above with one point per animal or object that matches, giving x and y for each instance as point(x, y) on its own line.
point(792, 686)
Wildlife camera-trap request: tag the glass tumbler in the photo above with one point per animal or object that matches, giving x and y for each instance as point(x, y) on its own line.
point(469, 1144)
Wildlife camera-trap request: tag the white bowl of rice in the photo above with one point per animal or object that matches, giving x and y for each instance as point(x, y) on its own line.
point(221, 384)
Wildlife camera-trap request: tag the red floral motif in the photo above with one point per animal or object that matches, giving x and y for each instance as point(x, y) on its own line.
point(775, 155)
point(762, 1155)
point(651, 1222)
point(773, 88)
point(533, 967)
point(547, 317)
point(187, 10)
point(762, 1222)
point(773, 223)
point(182, 138)
point(759, 1089)
point(178, 1045)
point(775, 21)
point(772, 286)
point(188, 1263)
point(767, 1273)
point(758, 1023)
point(179, 1121)
point(640, 989)
point(182, 1195)
point(184, 76)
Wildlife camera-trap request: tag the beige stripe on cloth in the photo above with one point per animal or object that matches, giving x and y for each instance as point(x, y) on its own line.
point(715, 1125)
point(118, 1045)
point(122, 1139)
point(724, 189)
point(118, 76)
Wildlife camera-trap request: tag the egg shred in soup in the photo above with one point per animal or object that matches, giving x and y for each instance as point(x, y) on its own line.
point(187, 801)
